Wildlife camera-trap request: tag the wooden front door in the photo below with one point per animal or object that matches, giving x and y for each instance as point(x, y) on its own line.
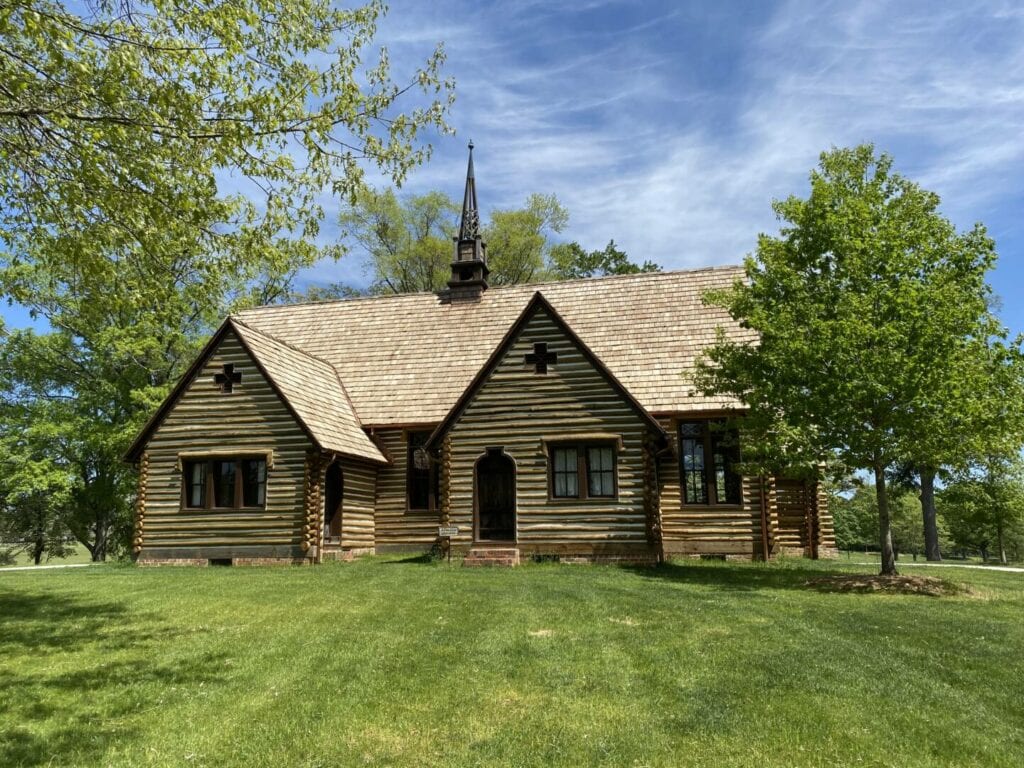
point(333, 494)
point(495, 497)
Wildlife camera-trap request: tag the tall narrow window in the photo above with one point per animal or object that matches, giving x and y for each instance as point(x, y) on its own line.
point(566, 473)
point(708, 457)
point(691, 448)
point(421, 474)
point(223, 475)
point(195, 484)
point(725, 448)
point(254, 482)
point(601, 471)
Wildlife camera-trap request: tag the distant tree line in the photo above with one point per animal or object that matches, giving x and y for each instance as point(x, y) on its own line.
point(979, 513)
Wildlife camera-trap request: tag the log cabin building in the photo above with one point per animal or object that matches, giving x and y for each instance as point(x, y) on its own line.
point(540, 420)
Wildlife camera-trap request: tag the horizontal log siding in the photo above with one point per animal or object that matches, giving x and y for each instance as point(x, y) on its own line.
point(359, 500)
point(702, 530)
point(396, 527)
point(514, 409)
point(251, 419)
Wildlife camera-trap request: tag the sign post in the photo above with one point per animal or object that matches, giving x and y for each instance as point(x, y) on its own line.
point(446, 532)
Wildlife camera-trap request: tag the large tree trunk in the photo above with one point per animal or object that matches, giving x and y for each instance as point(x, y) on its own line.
point(1001, 543)
point(931, 524)
point(38, 548)
point(884, 526)
point(99, 548)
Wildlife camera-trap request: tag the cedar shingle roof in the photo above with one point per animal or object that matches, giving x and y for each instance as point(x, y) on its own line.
point(314, 391)
point(406, 359)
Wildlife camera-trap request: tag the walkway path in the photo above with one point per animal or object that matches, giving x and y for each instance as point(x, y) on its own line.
point(904, 563)
point(43, 567)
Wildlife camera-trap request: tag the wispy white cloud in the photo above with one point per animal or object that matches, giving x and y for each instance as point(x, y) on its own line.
point(670, 127)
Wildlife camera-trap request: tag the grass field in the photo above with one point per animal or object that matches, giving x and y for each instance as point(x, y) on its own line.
point(79, 554)
point(388, 662)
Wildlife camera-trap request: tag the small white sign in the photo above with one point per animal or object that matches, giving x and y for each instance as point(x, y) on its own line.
point(448, 530)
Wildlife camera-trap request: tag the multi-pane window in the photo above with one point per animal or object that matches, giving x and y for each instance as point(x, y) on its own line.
point(421, 477)
point(600, 471)
point(254, 482)
point(195, 484)
point(583, 471)
point(225, 483)
point(566, 473)
point(708, 455)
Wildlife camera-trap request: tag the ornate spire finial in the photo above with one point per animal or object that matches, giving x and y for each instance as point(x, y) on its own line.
point(469, 227)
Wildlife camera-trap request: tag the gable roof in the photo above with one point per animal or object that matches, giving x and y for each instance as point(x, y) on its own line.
point(315, 393)
point(538, 303)
point(407, 359)
point(323, 411)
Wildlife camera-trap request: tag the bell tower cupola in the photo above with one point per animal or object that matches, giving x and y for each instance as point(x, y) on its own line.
point(469, 269)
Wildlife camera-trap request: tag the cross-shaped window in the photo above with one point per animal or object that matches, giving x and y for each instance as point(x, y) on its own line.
point(227, 378)
point(540, 357)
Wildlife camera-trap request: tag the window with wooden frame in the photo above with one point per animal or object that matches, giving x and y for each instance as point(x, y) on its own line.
point(708, 455)
point(583, 471)
point(421, 475)
point(225, 483)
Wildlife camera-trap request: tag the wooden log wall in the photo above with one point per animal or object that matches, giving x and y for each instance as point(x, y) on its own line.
point(803, 520)
point(517, 407)
point(705, 530)
point(313, 485)
point(359, 493)
point(249, 420)
point(398, 528)
point(793, 503)
point(140, 506)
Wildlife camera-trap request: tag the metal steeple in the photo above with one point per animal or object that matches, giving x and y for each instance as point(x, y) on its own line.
point(469, 227)
point(469, 269)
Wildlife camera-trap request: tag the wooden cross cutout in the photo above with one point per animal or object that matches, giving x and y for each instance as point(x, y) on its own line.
point(228, 378)
point(540, 357)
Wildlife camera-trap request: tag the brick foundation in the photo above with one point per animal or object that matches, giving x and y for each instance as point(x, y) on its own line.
point(153, 562)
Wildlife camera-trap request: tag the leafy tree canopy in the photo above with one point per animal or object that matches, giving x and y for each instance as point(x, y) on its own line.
point(863, 306)
point(161, 163)
point(407, 244)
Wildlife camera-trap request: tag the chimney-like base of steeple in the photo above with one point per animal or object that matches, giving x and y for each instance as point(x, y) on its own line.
point(463, 291)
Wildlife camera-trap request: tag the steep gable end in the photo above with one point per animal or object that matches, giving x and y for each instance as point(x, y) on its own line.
point(519, 357)
point(237, 368)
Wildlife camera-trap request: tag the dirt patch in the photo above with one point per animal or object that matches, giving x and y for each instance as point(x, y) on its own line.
point(894, 585)
point(541, 632)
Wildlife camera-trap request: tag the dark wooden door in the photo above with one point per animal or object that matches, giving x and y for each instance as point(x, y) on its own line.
point(496, 497)
point(333, 494)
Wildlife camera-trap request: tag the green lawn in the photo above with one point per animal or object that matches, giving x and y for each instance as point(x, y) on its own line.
point(79, 554)
point(410, 663)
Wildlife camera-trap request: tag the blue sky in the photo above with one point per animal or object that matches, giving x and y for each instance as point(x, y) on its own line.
point(671, 126)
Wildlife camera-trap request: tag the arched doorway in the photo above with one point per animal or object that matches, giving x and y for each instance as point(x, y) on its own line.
point(495, 497)
point(334, 487)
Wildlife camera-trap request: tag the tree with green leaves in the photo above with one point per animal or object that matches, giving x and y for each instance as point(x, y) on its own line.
point(976, 412)
point(519, 240)
point(857, 304)
point(570, 261)
point(407, 245)
point(162, 163)
point(985, 507)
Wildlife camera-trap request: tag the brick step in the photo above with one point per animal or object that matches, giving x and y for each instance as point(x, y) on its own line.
point(505, 557)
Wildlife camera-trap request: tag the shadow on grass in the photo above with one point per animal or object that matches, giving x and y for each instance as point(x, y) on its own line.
point(423, 559)
point(745, 577)
point(73, 672)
